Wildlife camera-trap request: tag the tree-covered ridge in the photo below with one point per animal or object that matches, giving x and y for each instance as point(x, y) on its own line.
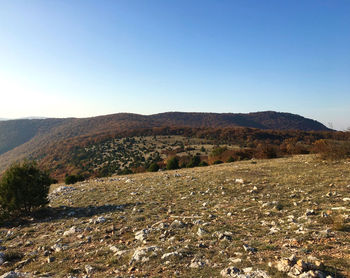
point(47, 139)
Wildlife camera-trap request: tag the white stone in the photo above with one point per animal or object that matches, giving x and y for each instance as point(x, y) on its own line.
point(142, 234)
point(201, 232)
point(89, 269)
point(141, 253)
point(71, 231)
point(171, 254)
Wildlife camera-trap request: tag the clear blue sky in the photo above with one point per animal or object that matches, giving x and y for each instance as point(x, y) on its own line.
point(86, 58)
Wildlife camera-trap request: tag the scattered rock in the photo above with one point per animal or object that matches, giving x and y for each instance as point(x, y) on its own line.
point(141, 253)
point(114, 249)
point(50, 259)
point(223, 235)
point(71, 231)
point(2, 258)
point(89, 269)
point(13, 274)
point(98, 220)
point(121, 252)
point(247, 272)
point(28, 243)
point(230, 272)
point(300, 268)
point(249, 248)
point(310, 212)
point(142, 234)
point(177, 224)
point(59, 247)
point(235, 260)
point(201, 232)
point(171, 254)
point(197, 263)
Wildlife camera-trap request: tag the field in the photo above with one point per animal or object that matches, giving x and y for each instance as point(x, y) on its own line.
point(192, 223)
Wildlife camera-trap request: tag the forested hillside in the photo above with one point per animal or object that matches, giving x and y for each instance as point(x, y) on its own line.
point(52, 140)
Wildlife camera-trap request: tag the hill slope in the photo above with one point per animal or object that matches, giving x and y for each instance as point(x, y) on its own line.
point(192, 223)
point(25, 138)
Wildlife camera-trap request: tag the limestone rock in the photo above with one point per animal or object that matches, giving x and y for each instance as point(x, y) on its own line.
point(13, 274)
point(2, 258)
point(71, 231)
point(177, 224)
point(230, 272)
point(196, 263)
point(171, 254)
point(142, 234)
point(89, 269)
point(201, 232)
point(249, 248)
point(141, 253)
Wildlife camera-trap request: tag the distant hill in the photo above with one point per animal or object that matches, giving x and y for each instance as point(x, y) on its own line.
point(31, 137)
point(261, 120)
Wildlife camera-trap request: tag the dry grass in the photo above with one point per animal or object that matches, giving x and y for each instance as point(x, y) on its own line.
point(266, 211)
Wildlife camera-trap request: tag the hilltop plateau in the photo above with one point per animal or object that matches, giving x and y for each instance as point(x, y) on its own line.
point(258, 218)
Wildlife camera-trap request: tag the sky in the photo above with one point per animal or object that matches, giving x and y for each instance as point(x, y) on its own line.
point(85, 58)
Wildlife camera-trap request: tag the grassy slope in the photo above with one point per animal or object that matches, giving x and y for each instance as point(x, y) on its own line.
point(285, 187)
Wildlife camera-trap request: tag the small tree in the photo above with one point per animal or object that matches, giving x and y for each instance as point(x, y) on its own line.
point(154, 167)
point(230, 159)
point(24, 187)
point(172, 164)
point(203, 163)
point(194, 162)
point(72, 179)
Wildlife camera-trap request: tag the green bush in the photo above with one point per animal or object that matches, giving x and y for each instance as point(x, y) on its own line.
point(172, 164)
point(154, 167)
point(230, 159)
point(218, 162)
point(218, 151)
point(24, 187)
point(125, 171)
point(71, 179)
point(194, 162)
point(203, 164)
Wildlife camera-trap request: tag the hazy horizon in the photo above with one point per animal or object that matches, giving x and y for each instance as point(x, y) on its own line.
point(84, 58)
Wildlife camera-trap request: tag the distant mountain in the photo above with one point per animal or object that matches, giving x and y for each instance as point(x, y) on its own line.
point(31, 137)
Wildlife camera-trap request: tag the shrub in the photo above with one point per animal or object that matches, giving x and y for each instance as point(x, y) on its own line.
point(230, 159)
point(218, 151)
point(183, 165)
point(125, 171)
point(265, 151)
point(203, 163)
point(24, 187)
point(172, 164)
point(331, 149)
point(71, 179)
point(217, 162)
point(194, 162)
point(154, 167)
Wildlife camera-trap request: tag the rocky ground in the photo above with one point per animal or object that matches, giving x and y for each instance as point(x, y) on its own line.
point(285, 217)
